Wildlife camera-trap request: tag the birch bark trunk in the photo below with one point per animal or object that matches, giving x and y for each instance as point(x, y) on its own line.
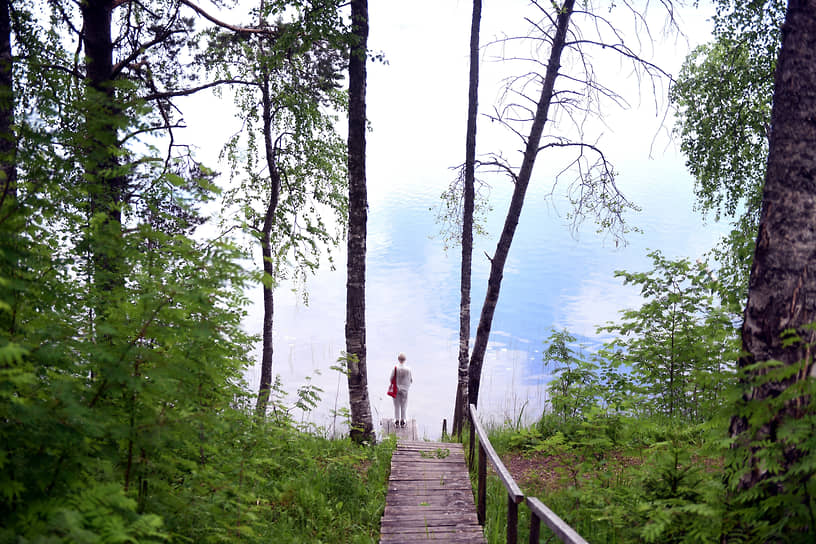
point(782, 285)
point(362, 428)
point(460, 408)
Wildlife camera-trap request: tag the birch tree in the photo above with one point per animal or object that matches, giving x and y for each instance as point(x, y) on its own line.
point(723, 97)
point(362, 427)
point(775, 422)
point(460, 408)
point(288, 156)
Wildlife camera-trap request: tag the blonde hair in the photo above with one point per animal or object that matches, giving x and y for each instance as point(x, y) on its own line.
point(401, 357)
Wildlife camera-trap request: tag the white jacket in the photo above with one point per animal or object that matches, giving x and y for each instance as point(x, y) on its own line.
point(404, 378)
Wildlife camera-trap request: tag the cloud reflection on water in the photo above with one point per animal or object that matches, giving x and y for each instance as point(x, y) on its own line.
point(413, 301)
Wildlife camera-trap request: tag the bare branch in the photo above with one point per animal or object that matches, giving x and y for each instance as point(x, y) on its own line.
point(626, 52)
point(266, 31)
point(498, 164)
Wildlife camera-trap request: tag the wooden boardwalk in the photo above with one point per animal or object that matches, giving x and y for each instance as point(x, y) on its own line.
point(409, 432)
point(429, 496)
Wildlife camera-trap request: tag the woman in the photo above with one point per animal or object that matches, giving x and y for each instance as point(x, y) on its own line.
point(402, 373)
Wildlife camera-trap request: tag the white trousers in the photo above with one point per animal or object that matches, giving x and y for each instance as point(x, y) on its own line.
point(400, 405)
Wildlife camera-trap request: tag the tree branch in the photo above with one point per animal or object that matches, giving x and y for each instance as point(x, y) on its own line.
point(161, 95)
point(222, 24)
point(122, 64)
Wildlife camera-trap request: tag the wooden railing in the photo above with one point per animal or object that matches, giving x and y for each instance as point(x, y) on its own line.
point(539, 512)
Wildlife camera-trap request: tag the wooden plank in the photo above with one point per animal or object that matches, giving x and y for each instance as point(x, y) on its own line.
point(424, 444)
point(426, 472)
point(410, 460)
point(409, 432)
point(420, 531)
point(433, 517)
point(430, 483)
point(399, 512)
point(426, 453)
point(431, 455)
point(419, 460)
point(448, 531)
point(443, 538)
point(430, 497)
point(436, 491)
point(451, 498)
point(408, 445)
point(430, 469)
point(430, 520)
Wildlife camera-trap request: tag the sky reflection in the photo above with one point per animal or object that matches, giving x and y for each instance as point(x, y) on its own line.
point(553, 279)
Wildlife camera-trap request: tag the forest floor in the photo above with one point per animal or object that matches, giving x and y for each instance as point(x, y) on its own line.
point(542, 473)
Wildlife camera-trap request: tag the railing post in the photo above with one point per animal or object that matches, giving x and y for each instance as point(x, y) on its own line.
point(512, 521)
point(535, 528)
point(481, 490)
point(562, 531)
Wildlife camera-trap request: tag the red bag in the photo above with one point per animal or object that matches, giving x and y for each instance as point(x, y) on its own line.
point(392, 389)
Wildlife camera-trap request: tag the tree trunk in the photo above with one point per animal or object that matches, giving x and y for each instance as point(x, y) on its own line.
point(781, 289)
point(460, 410)
point(361, 425)
point(266, 253)
point(270, 149)
point(106, 184)
point(8, 140)
point(268, 297)
point(516, 203)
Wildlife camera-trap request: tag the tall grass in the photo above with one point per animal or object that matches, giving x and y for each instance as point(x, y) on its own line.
point(290, 486)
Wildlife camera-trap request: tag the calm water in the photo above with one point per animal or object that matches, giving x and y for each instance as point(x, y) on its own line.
point(553, 278)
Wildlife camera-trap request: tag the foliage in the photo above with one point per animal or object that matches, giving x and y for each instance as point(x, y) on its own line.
point(671, 481)
point(624, 471)
point(148, 438)
point(668, 358)
point(123, 412)
point(288, 150)
point(573, 389)
point(662, 485)
point(677, 343)
point(449, 213)
point(723, 96)
point(630, 447)
point(782, 506)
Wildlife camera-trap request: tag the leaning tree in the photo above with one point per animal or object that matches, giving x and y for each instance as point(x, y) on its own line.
point(562, 86)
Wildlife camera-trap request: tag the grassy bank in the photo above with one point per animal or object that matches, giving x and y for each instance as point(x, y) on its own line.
point(292, 487)
point(627, 481)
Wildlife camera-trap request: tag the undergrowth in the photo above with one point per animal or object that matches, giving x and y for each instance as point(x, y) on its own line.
point(652, 483)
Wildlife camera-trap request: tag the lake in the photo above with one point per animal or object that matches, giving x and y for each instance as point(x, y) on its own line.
point(554, 277)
